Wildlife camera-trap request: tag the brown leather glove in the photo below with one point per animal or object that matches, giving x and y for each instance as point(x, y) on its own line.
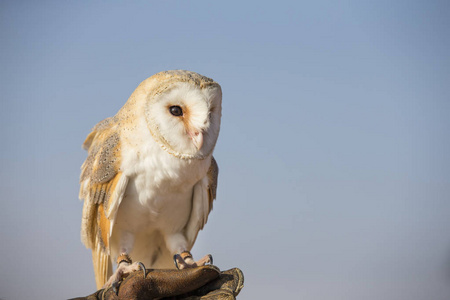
point(205, 283)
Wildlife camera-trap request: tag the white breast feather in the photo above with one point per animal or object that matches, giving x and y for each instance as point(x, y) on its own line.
point(160, 186)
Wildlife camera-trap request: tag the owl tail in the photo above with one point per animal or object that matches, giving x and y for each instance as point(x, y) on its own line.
point(102, 266)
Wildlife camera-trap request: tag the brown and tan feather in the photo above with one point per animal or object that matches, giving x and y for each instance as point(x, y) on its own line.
point(213, 174)
point(99, 177)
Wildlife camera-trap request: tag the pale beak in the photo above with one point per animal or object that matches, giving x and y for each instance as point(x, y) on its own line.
point(197, 138)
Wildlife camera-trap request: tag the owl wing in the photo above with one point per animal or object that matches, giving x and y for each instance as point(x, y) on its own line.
point(102, 188)
point(202, 202)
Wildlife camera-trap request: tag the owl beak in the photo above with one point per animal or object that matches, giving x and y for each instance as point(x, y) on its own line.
point(197, 139)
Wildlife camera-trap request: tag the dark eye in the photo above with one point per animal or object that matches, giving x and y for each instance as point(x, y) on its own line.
point(176, 111)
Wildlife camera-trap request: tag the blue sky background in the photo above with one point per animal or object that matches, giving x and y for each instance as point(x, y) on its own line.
point(334, 151)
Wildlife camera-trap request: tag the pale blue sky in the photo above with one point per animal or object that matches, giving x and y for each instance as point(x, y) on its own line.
point(334, 151)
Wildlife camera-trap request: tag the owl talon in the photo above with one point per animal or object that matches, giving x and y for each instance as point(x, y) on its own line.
point(185, 260)
point(122, 271)
point(115, 287)
point(143, 269)
point(175, 260)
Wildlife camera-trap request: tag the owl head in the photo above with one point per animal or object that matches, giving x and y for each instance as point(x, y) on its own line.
point(183, 111)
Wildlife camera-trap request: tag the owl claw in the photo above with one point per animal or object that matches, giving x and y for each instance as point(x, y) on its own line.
point(122, 271)
point(115, 287)
point(143, 269)
point(175, 260)
point(188, 262)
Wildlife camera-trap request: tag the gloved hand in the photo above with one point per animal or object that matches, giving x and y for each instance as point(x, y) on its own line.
point(205, 283)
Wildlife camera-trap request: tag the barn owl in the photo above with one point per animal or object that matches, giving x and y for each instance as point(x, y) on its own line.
point(149, 180)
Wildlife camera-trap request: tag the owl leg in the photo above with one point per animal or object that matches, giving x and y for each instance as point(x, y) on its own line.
point(125, 265)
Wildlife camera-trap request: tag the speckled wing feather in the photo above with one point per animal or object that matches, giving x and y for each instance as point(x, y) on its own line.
point(202, 202)
point(102, 188)
point(213, 174)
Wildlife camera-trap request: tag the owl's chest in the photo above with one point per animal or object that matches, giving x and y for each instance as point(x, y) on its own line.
point(161, 182)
